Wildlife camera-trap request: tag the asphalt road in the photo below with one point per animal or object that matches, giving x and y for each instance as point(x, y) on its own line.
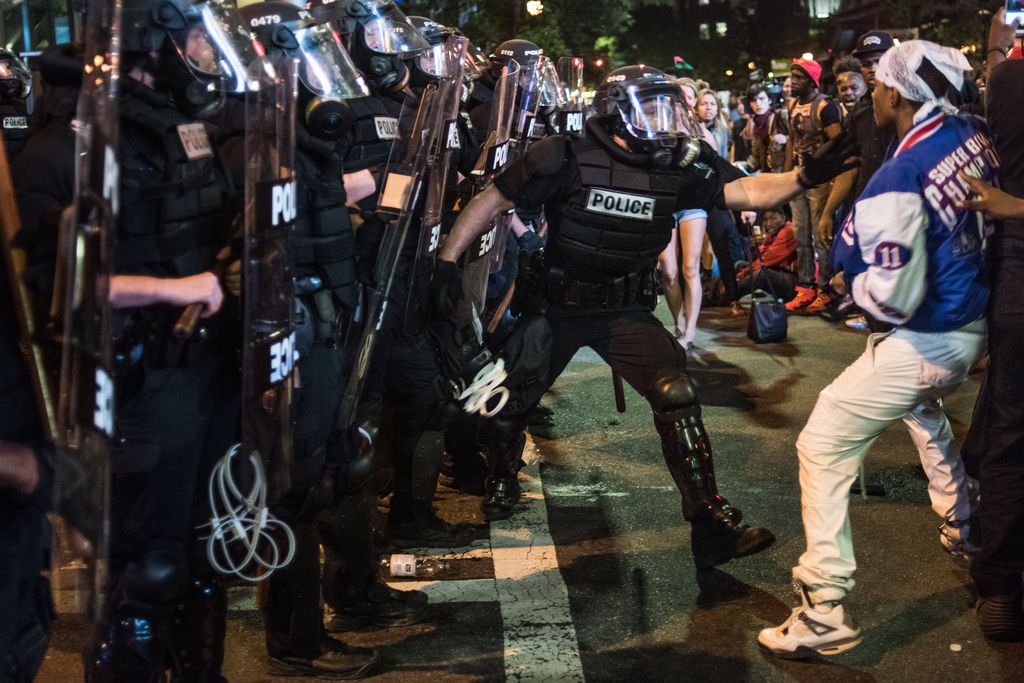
point(593, 578)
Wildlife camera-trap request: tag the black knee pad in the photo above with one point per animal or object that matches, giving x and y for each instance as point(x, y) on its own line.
point(158, 579)
point(434, 409)
point(673, 394)
point(356, 466)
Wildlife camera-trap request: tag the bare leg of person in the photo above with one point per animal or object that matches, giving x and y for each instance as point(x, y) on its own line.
point(668, 264)
point(691, 237)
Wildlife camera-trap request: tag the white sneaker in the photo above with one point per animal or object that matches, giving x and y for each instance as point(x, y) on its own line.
point(810, 631)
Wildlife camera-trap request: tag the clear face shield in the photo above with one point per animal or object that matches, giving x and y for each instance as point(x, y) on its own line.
point(654, 116)
point(570, 81)
point(433, 63)
point(218, 46)
point(552, 96)
point(478, 57)
point(386, 29)
point(326, 68)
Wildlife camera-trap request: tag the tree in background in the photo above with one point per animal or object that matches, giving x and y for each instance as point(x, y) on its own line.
point(591, 29)
point(757, 31)
point(956, 23)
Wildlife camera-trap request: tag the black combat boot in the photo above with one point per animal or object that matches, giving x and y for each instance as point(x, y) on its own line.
point(415, 524)
point(375, 604)
point(126, 648)
point(717, 534)
point(200, 623)
point(504, 457)
point(332, 659)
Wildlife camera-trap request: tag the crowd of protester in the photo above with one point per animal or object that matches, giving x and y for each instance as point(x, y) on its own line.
point(791, 255)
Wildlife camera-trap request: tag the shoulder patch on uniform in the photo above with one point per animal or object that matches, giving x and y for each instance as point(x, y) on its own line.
point(547, 156)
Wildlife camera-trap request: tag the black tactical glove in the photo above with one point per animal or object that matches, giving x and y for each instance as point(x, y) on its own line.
point(446, 289)
point(835, 157)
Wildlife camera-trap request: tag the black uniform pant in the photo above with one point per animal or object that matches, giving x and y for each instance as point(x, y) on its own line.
point(633, 342)
point(25, 609)
point(721, 229)
point(292, 614)
point(169, 434)
point(994, 448)
point(407, 372)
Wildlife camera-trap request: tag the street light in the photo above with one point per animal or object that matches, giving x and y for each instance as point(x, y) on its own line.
point(807, 56)
point(534, 7)
point(728, 72)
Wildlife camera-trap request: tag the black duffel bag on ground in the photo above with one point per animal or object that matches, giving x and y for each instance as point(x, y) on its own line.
point(768, 322)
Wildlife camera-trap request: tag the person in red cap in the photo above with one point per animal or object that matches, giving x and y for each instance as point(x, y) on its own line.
point(814, 119)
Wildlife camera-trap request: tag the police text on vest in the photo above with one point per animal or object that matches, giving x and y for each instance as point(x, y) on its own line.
point(620, 204)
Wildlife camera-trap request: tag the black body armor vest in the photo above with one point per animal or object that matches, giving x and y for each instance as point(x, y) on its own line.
point(620, 218)
point(324, 242)
point(376, 129)
point(172, 221)
point(14, 118)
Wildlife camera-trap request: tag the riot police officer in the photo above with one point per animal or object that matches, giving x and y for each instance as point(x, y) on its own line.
point(609, 199)
point(25, 476)
point(378, 37)
point(178, 403)
point(44, 184)
point(324, 269)
point(15, 86)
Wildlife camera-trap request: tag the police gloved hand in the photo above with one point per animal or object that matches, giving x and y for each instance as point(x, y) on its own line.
point(320, 496)
point(835, 157)
point(446, 288)
point(232, 279)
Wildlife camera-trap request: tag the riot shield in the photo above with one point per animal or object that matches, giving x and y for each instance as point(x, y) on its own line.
point(494, 157)
point(29, 328)
point(401, 200)
point(528, 98)
point(572, 103)
point(85, 411)
point(268, 350)
point(450, 69)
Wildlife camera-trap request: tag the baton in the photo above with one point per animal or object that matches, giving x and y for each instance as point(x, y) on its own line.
point(620, 392)
point(188, 321)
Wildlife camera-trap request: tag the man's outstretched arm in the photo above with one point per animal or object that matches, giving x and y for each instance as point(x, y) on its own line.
point(761, 191)
point(473, 221)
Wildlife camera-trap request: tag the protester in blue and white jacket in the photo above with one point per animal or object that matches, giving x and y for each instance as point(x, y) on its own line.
point(914, 259)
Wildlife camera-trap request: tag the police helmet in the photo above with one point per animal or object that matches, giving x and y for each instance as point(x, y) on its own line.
point(327, 76)
point(377, 35)
point(429, 65)
point(205, 48)
point(643, 102)
point(524, 52)
point(15, 79)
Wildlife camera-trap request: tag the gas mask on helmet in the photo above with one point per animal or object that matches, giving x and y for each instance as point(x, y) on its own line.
point(646, 109)
point(428, 66)
point(203, 50)
point(379, 37)
point(326, 75)
point(15, 79)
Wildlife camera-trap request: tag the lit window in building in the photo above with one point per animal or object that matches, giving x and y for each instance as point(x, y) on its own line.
point(721, 28)
point(705, 32)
